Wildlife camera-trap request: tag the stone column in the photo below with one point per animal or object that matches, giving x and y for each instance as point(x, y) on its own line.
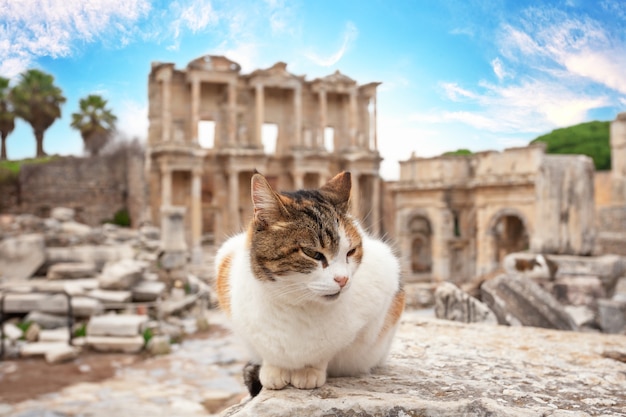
point(173, 242)
point(232, 113)
point(166, 113)
point(376, 203)
point(260, 115)
point(355, 196)
point(195, 109)
point(352, 118)
point(233, 200)
point(618, 159)
point(373, 124)
point(297, 106)
point(322, 119)
point(196, 215)
point(166, 186)
point(298, 180)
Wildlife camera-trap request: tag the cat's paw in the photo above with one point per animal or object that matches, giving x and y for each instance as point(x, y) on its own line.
point(273, 377)
point(308, 378)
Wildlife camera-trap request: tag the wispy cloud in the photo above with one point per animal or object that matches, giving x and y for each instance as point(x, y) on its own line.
point(564, 64)
point(350, 34)
point(192, 15)
point(30, 29)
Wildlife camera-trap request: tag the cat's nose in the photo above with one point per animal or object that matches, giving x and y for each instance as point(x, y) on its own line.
point(342, 281)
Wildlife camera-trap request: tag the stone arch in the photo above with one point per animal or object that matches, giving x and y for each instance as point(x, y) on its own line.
point(420, 238)
point(509, 232)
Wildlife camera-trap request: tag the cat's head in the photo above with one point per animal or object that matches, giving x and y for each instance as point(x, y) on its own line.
point(304, 244)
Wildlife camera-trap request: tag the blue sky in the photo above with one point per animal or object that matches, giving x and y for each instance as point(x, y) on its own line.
point(456, 73)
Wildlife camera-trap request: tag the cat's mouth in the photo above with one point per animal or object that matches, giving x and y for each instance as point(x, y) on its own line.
point(334, 296)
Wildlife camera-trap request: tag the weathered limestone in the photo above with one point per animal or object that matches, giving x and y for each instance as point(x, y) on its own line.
point(517, 300)
point(148, 290)
point(61, 354)
point(62, 214)
point(612, 316)
point(121, 275)
point(442, 368)
point(12, 332)
point(61, 334)
point(565, 206)
point(21, 256)
point(46, 321)
point(116, 325)
point(108, 297)
point(98, 255)
point(452, 303)
point(71, 270)
point(115, 344)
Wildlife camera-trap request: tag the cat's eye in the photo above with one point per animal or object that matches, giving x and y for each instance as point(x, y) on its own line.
point(318, 256)
point(351, 252)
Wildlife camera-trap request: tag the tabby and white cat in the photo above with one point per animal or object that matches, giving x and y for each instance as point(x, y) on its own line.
point(308, 291)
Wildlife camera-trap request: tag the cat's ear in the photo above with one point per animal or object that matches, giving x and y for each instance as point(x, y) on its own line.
point(267, 204)
point(338, 190)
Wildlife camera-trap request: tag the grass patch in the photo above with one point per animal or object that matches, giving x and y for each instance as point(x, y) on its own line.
point(16, 165)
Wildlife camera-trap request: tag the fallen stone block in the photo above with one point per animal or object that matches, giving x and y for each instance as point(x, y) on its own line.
point(61, 354)
point(116, 325)
point(159, 345)
point(583, 316)
point(110, 297)
point(121, 275)
point(148, 290)
point(578, 290)
point(612, 316)
point(444, 368)
point(169, 307)
point(46, 321)
point(451, 303)
point(32, 332)
point(77, 286)
point(98, 255)
point(115, 344)
point(62, 214)
point(61, 334)
point(40, 348)
point(12, 332)
point(75, 228)
point(25, 302)
point(517, 300)
point(21, 256)
point(71, 270)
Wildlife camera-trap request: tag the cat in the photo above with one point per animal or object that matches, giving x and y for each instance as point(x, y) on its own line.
point(308, 292)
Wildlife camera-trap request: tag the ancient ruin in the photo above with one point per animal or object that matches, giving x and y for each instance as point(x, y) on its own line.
point(319, 128)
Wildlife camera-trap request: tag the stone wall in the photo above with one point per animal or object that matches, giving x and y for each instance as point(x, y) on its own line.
point(96, 188)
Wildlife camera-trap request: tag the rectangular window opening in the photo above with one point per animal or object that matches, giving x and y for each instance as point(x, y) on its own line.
point(206, 133)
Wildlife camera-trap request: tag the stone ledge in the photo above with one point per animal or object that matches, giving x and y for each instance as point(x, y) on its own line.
point(447, 369)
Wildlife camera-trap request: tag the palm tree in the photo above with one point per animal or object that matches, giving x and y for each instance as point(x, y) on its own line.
point(95, 122)
point(38, 101)
point(7, 117)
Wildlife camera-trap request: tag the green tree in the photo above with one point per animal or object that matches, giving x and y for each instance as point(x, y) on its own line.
point(38, 101)
point(95, 123)
point(7, 117)
point(590, 138)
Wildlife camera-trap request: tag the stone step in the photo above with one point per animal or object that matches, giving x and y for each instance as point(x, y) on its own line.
point(72, 270)
point(115, 344)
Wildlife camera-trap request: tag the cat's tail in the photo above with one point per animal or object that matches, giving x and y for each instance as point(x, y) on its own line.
point(251, 378)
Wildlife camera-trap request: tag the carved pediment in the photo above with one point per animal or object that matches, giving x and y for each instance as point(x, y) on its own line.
point(214, 63)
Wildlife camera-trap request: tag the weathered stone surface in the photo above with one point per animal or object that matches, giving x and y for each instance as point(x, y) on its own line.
point(148, 290)
point(169, 307)
point(612, 316)
point(608, 268)
point(516, 300)
point(12, 332)
point(75, 228)
point(51, 304)
point(115, 344)
point(110, 297)
point(21, 256)
point(121, 275)
point(583, 316)
point(116, 325)
point(173, 260)
point(419, 294)
point(62, 214)
point(61, 334)
point(451, 303)
point(442, 368)
point(159, 345)
point(99, 255)
point(565, 206)
point(578, 290)
point(40, 348)
point(46, 321)
point(32, 333)
point(61, 354)
point(71, 270)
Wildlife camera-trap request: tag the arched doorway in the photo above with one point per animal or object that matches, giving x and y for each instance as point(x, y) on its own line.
point(510, 234)
point(421, 245)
